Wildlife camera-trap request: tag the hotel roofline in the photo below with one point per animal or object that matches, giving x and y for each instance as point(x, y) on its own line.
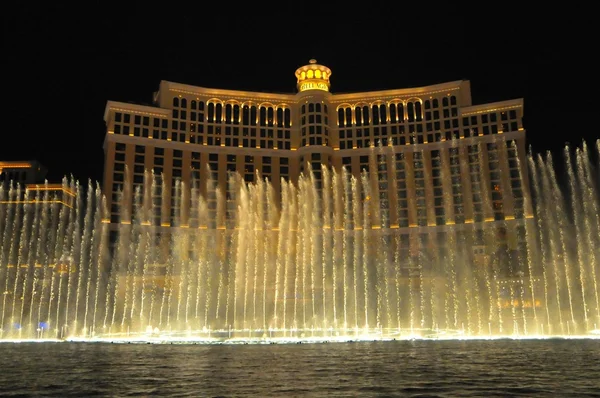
point(238, 95)
point(492, 106)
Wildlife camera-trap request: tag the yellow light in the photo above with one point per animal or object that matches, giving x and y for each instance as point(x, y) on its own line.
point(49, 187)
point(35, 201)
point(9, 165)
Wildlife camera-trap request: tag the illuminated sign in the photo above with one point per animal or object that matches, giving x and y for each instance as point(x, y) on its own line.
point(314, 86)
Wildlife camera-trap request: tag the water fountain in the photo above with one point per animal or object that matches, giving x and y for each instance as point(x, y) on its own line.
point(313, 267)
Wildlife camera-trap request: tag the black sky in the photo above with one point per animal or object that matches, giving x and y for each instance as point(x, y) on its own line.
point(61, 64)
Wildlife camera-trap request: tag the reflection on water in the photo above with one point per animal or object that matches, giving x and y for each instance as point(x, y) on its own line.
point(552, 368)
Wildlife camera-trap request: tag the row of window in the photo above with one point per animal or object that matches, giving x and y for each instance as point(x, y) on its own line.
point(417, 174)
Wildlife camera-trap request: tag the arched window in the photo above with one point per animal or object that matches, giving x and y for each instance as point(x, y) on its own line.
point(246, 115)
point(279, 117)
point(228, 113)
point(365, 111)
point(418, 111)
point(218, 113)
point(253, 115)
point(211, 112)
point(175, 101)
point(393, 113)
point(262, 120)
point(236, 114)
point(382, 114)
point(375, 114)
point(358, 116)
point(341, 117)
point(400, 112)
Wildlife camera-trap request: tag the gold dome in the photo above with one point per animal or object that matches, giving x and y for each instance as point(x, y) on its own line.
point(313, 77)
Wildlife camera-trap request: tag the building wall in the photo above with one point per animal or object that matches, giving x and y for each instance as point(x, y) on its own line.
point(22, 172)
point(434, 159)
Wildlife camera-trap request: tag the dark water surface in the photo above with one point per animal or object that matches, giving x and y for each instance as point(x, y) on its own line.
point(498, 368)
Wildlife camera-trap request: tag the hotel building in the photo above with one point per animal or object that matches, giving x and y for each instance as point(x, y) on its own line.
point(25, 195)
point(27, 180)
point(435, 160)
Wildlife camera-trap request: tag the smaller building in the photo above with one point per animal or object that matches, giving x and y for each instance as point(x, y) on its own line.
point(29, 176)
point(22, 172)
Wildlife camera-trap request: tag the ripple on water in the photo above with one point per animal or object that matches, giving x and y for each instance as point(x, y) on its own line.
point(417, 369)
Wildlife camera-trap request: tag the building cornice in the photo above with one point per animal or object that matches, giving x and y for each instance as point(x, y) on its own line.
point(136, 109)
point(403, 93)
point(492, 107)
point(227, 94)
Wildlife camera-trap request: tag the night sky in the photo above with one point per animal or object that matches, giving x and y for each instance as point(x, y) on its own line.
point(61, 64)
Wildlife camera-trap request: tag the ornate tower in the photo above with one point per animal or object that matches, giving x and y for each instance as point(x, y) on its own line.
point(313, 100)
point(313, 77)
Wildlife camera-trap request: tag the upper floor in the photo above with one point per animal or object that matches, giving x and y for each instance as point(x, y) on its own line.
point(313, 116)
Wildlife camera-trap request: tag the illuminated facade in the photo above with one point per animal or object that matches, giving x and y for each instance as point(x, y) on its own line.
point(27, 180)
point(41, 208)
point(437, 144)
point(22, 172)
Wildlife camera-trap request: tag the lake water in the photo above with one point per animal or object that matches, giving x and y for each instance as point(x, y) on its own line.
point(502, 368)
